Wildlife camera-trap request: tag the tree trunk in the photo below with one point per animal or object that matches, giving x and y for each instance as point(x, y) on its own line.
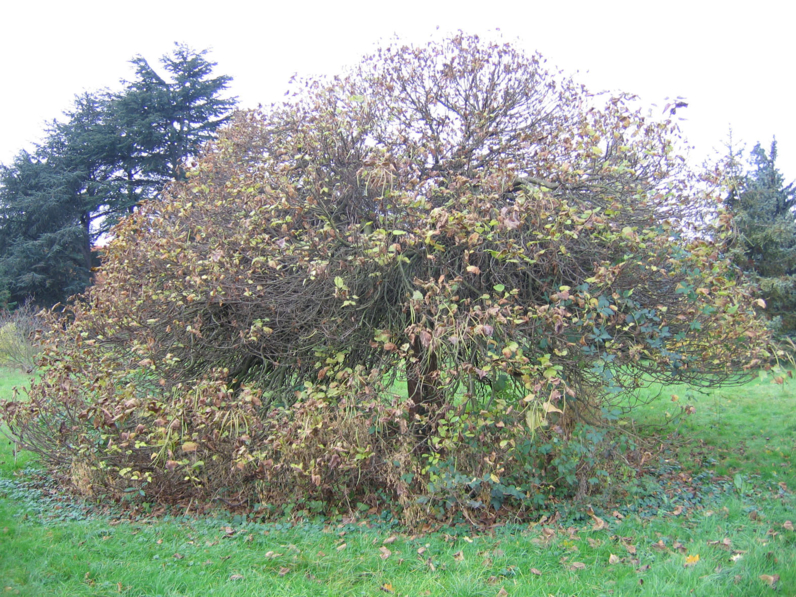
point(422, 388)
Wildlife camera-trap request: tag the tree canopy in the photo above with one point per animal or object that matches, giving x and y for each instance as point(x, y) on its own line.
point(765, 242)
point(420, 280)
point(111, 151)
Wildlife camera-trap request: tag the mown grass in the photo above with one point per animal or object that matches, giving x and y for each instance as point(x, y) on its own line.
point(745, 436)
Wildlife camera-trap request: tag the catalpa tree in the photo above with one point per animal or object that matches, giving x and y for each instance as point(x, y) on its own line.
point(418, 283)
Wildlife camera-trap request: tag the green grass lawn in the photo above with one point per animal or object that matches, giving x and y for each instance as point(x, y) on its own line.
point(737, 540)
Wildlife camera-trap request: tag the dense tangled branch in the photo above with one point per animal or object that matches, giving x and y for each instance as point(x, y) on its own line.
point(452, 215)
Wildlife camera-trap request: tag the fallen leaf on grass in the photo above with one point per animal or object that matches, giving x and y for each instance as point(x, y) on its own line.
point(271, 554)
point(390, 539)
point(659, 546)
point(787, 525)
point(387, 588)
point(421, 551)
point(677, 511)
point(458, 556)
point(723, 544)
point(577, 566)
point(502, 592)
point(341, 547)
point(466, 538)
point(599, 523)
point(631, 549)
point(691, 560)
point(770, 580)
point(679, 547)
point(536, 572)
point(178, 556)
point(283, 571)
point(384, 553)
point(236, 577)
point(612, 559)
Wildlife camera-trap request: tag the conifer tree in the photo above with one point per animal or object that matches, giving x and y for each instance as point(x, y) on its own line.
point(765, 247)
point(110, 152)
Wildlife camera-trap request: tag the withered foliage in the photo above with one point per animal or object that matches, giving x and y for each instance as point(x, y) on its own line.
point(519, 252)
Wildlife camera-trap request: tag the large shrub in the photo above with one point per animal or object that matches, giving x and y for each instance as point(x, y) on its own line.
point(452, 217)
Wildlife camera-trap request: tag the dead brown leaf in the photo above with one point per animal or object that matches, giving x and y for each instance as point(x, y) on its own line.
point(679, 547)
point(458, 556)
point(271, 554)
point(236, 577)
point(178, 556)
point(390, 539)
point(787, 525)
point(502, 592)
point(770, 580)
point(536, 572)
point(723, 544)
point(612, 559)
point(677, 511)
point(659, 546)
point(341, 547)
point(631, 549)
point(283, 571)
point(385, 553)
point(577, 566)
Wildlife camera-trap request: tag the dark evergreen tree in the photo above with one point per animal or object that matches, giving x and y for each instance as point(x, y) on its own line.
point(109, 153)
point(765, 247)
point(167, 120)
point(46, 254)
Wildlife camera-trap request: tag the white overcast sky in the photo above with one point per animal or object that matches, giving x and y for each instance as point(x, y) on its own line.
point(732, 61)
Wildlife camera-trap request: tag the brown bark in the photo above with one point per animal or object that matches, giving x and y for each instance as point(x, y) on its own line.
point(422, 387)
